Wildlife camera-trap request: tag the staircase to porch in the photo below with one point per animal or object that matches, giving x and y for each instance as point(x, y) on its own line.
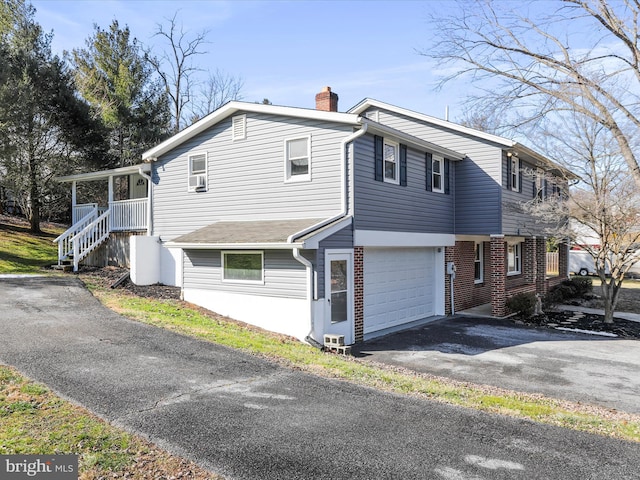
point(93, 225)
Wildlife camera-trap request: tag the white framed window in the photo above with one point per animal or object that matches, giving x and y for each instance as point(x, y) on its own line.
point(198, 172)
point(437, 167)
point(297, 159)
point(478, 263)
point(514, 258)
point(243, 266)
point(515, 173)
point(540, 184)
point(238, 127)
point(391, 162)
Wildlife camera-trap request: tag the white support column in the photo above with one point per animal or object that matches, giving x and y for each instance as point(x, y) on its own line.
point(110, 199)
point(74, 201)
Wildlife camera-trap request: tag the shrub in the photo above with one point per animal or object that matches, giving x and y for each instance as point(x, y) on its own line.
point(568, 289)
point(523, 304)
point(583, 285)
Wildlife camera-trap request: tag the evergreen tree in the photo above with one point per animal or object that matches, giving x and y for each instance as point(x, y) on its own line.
point(45, 129)
point(115, 78)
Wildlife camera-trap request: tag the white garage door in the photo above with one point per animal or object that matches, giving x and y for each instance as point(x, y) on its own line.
point(398, 286)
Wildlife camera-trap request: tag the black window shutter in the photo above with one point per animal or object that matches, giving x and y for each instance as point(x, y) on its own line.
point(428, 160)
point(509, 173)
point(447, 189)
point(403, 165)
point(378, 148)
point(545, 193)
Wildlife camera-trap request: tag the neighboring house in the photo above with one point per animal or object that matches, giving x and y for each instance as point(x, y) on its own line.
point(308, 222)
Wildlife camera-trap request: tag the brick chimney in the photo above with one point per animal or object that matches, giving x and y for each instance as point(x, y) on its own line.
point(327, 100)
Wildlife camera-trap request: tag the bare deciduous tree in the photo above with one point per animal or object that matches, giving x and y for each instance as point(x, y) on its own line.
point(217, 90)
point(176, 67)
point(604, 204)
point(583, 56)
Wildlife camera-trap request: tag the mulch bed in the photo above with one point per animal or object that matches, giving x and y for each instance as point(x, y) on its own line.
point(108, 276)
point(584, 321)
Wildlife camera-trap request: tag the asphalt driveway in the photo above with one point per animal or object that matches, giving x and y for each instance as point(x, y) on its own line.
point(575, 366)
point(247, 418)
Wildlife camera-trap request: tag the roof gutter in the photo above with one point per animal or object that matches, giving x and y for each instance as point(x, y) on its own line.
point(344, 206)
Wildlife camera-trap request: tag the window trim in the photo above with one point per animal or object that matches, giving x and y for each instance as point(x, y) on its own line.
point(288, 178)
point(223, 254)
point(440, 161)
point(396, 149)
point(515, 173)
point(517, 270)
point(204, 173)
point(478, 259)
point(242, 120)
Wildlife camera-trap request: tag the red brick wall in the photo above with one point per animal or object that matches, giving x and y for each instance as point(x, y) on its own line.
point(467, 293)
point(498, 260)
point(358, 292)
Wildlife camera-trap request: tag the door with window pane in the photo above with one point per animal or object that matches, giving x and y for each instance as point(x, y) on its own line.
point(339, 294)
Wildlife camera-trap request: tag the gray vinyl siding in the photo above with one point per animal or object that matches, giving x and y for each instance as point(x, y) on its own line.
point(389, 207)
point(478, 178)
point(246, 178)
point(284, 276)
point(342, 239)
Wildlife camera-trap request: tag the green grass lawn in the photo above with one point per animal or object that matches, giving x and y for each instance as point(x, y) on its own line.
point(23, 252)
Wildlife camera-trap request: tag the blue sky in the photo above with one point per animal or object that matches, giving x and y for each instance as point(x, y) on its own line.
point(287, 51)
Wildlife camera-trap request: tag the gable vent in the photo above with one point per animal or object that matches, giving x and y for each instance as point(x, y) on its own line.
point(239, 127)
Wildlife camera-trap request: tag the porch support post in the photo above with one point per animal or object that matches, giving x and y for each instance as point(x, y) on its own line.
point(74, 201)
point(358, 277)
point(498, 276)
point(110, 199)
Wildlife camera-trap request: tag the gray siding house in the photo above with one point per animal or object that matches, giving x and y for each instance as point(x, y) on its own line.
point(309, 222)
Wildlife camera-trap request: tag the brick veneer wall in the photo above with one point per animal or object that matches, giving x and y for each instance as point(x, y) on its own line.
point(498, 260)
point(358, 292)
point(467, 293)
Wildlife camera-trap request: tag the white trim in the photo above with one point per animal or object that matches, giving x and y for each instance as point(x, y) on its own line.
point(480, 244)
point(377, 238)
point(199, 175)
point(114, 172)
point(440, 161)
point(233, 246)
point(368, 102)
point(241, 252)
point(288, 177)
point(396, 157)
point(314, 241)
point(233, 107)
point(517, 255)
point(347, 327)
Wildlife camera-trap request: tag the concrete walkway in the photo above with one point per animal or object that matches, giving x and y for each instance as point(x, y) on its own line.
point(246, 418)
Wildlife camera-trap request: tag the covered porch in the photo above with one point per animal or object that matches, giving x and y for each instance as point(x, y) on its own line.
point(125, 208)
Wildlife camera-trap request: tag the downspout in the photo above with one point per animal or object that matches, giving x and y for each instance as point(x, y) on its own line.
point(149, 201)
point(344, 207)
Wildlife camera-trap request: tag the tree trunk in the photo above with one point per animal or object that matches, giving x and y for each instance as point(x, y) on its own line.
point(34, 188)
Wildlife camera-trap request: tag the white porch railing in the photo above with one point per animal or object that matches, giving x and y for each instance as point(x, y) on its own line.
point(129, 214)
point(65, 241)
point(81, 211)
point(89, 238)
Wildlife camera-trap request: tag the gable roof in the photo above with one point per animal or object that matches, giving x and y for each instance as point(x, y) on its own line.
point(234, 106)
point(508, 143)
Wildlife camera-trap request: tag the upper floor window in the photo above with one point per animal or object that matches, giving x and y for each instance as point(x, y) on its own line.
point(478, 263)
point(514, 258)
point(437, 184)
point(298, 159)
point(514, 173)
point(540, 185)
point(197, 172)
point(391, 162)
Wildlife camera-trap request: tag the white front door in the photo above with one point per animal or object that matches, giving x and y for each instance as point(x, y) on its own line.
point(339, 294)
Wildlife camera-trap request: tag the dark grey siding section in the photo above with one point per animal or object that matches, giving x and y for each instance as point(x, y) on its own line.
point(389, 207)
point(477, 178)
point(342, 239)
point(284, 276)
point(478, 200)
point(246, 178)
point(514, 220)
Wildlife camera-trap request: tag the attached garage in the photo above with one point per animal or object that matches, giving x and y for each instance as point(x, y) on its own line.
point(399, 286)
